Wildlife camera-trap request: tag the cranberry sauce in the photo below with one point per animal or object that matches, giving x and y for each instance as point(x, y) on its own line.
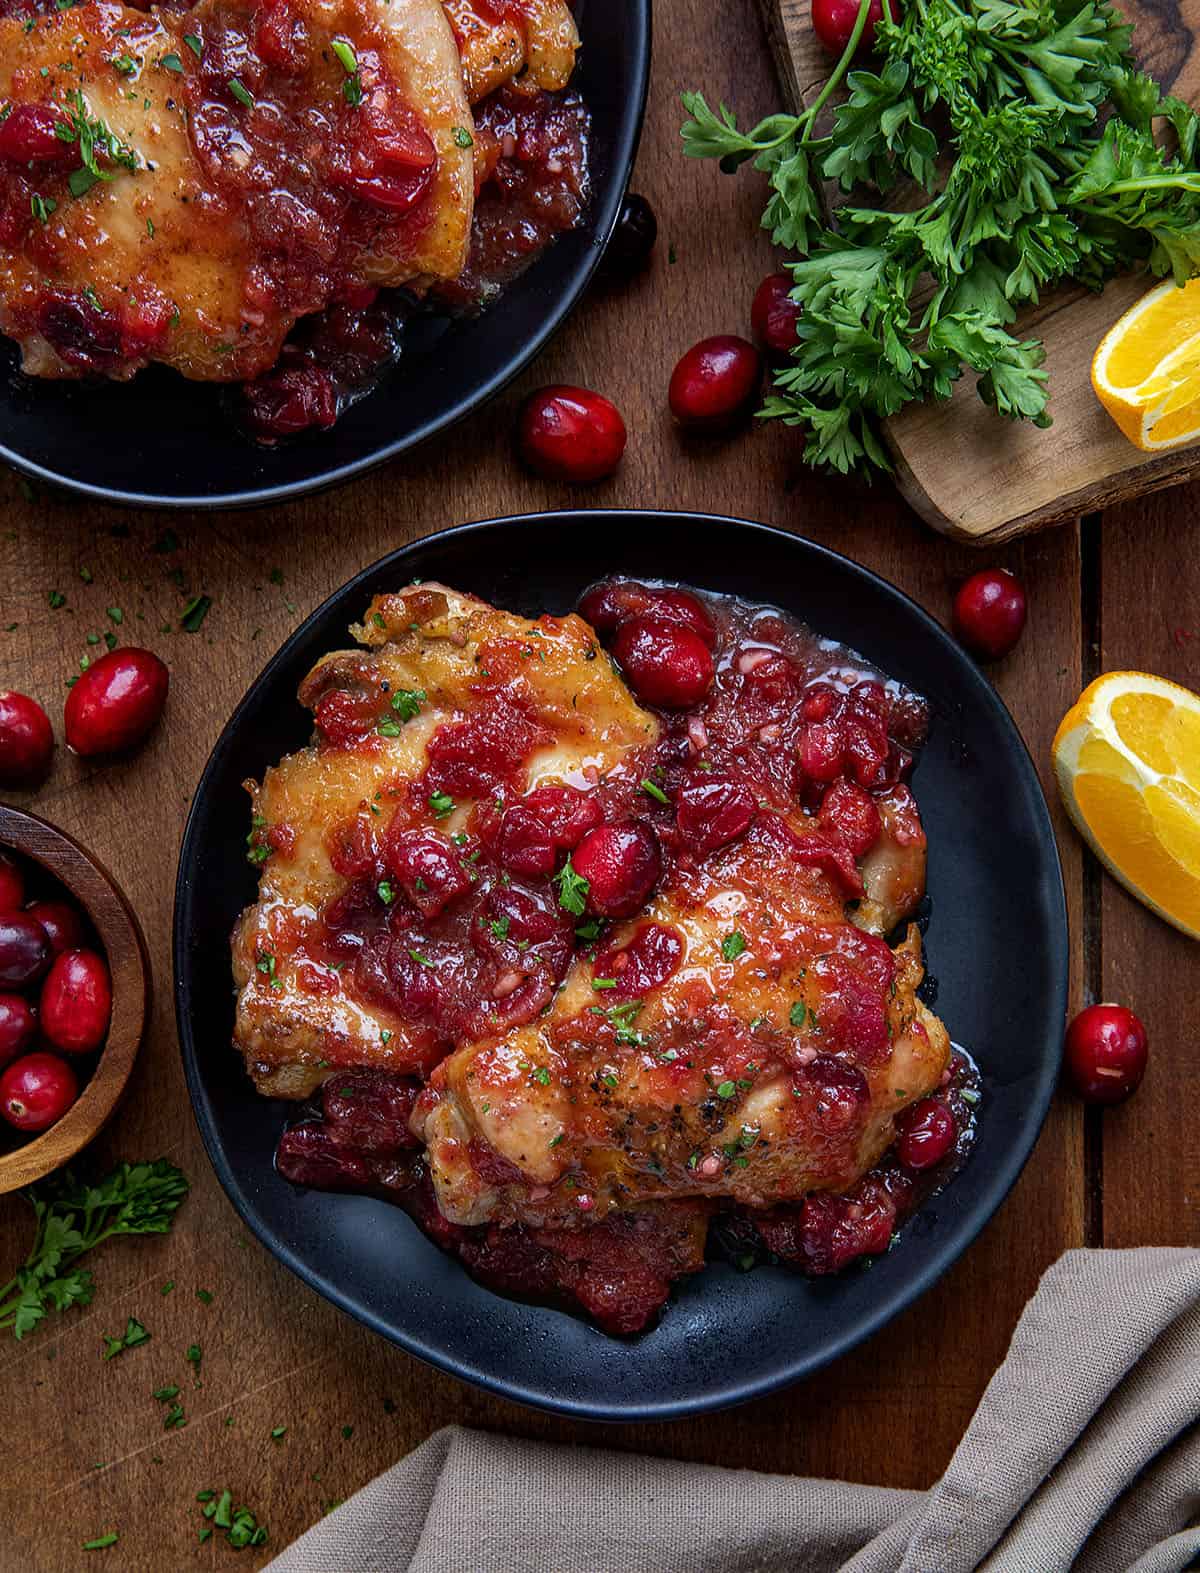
point(531, 167)
point(462, 935)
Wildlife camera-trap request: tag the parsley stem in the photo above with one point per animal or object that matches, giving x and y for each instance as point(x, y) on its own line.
point(1189, 181)
point(835, 76)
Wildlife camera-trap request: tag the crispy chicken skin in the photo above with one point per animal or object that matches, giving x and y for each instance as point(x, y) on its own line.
point(759, 1077)
point(301, 1016)
point(168, 240)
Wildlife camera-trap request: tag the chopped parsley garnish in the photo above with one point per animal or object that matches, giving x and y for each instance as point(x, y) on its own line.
point(407, 702)
point(462, 137)
point(171, 62)
point(541, 1075)
point(193, 44)
point(133, 1335)
point(572, 889)
point(798, 1014)
point(239, 90)
point(168, 1286)
point(93, 138)
point(56, 599)
point(604, 983)
point(125, 64)
point(194, 613)
point(499, 926)
point(42, 207)
point(204, 1296)
point(193, 1358)
point(386, 894)
point(278, 1433)
point(239, 1523)
point(421, 960)
point(726, 1089)
point(733, 945)
point(116, 615)
point(589, 930)
point(266, 965)
point(442, 804)
point(352, 88)
point(654, 791)
point(102, 1541)
point(165, 1394)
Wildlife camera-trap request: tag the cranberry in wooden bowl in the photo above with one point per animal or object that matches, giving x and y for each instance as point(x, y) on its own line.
point(70, 1033)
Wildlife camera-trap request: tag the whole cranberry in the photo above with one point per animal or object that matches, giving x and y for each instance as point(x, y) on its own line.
point(621, 864)
point(1106, 1053)
point(63, 926)
point(715, 383)
point(37, 1090)
point(926, 1133)
point(116, 702)
point(570, 434)
point(24, 950)
point(666, 664)
point(833, 22)
point(614, 601)
point(711, 811)
point(12, 883)
point(989, 613)
point(774, 315)
point(26, 740)
point(76, 1002)
point(633, 239)
point(18, 1024)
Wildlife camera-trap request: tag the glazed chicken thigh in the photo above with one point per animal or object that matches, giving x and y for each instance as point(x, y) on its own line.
point(183, 186)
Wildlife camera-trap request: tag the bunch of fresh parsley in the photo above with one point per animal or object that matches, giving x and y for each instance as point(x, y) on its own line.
point(1029, 137)
point(73, 1217)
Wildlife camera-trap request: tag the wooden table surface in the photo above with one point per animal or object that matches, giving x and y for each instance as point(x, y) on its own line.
point(85, 1450)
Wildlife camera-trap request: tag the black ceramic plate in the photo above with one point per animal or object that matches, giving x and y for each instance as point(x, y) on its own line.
point(997, 944)
point(160, 441)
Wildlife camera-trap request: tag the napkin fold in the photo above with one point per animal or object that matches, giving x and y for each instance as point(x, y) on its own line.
point(1084, 1454)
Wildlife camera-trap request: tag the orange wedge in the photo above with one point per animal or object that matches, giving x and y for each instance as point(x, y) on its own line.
point(1127, 756)
point(1146, 371)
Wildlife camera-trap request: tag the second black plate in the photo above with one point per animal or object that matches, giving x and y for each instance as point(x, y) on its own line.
point(997, 943)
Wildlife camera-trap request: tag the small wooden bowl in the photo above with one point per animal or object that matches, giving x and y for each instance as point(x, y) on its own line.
point(117, 928)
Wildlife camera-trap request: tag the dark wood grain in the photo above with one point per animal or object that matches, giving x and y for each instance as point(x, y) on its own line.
point(973, 476)
point(1150, 600)
point(116, 926)
point(275, 1354)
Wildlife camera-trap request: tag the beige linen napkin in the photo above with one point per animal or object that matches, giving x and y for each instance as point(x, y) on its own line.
point(1084, 1454)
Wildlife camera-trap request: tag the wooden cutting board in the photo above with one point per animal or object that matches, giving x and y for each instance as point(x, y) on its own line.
point(965, 470)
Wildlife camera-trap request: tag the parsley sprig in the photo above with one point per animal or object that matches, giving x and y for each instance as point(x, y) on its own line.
point(1049, 171)
point(73, 1218)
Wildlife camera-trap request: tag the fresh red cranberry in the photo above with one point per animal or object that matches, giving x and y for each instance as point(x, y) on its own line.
point(621, 864)
point(429, 868)
point(26, 740)
point(833, 22)
point(76, 1002)
point(24, 950)
point(715, 383)
point(852, 816)
point(650, 958)
point(1106, 1053)
point(712, 810)
point(989, 613)
point(665, 663)
point(37, 1090)
point(18, 1024)
point(28, 135)
point(290, 400)
point(774, 315)
point(927, 1132)
point(63, 926)
point(633, 239)
point(615, 601)
point(12, 884)
point(116, 702)
point(570, 434)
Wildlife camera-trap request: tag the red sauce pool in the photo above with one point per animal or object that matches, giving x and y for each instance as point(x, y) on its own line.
point(472, 939)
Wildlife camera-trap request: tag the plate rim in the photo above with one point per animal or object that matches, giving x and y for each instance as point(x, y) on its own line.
point(994, 1189)
point(630, 127)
